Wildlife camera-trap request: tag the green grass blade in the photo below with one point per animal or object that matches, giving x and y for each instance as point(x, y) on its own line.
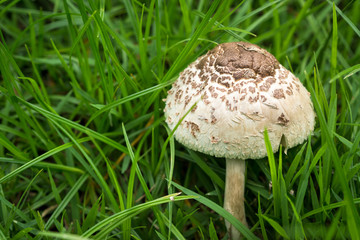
point(328, 207)
point(347, 20)
point(212, 231)
point(66, 201)
point(273, 172)
point(129, 199)
point(261, 219)
point(236, 223)
point(45, 165)
point(277, 227)
point(347, 72)
point(65, 236)
point(202, 164)
point(173, 229)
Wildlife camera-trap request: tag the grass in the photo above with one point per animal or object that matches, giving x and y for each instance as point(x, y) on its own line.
point(85, 152)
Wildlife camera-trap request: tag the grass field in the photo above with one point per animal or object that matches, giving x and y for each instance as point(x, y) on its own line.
point(84, 149)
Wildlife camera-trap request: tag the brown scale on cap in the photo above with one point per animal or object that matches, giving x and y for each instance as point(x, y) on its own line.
point(265, 87)
point(178, 95)
point(279, 93)
point(283, 120)
point(289, 91)
point(252, 89)
point(263, 98)
point(270, 80)
point(194, 128)
point(213, 93)
point(240, 60)
point(221, 89)
point(187, 100)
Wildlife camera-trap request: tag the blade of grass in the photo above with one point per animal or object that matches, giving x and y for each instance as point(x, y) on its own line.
point(131, 182)
point(172, 158)
point(347, 72)
point(299, 222)
point(54, 188)
point(91, 215)
point(304, 179)
point(261, 219)
point(116, 185)
point(66, 68)
point(236, 223)
point(212, 231)
point(44, 165)
point(40, 82)
point(291, 172)
point(5, 142)
point(277, 227)
point(273, 173)
point(347, 20)
point(66, 200)
point(328, 207)
point(202, 164)
point(65, 236)
point(172, 228)
point(94, 48)
point(142, 181)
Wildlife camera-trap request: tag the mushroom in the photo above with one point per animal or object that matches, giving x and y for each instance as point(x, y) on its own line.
point(237, 90)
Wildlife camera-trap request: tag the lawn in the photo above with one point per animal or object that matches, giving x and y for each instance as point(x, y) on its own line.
point(85, 152)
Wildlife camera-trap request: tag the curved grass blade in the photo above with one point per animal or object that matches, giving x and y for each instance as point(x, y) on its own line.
point(220, 210)
point(40, 158)
point(112, 222)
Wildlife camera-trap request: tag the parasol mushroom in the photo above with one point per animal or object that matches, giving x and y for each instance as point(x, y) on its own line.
point(238, 89)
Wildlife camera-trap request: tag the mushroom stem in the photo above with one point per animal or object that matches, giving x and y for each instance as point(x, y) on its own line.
point(234, 194)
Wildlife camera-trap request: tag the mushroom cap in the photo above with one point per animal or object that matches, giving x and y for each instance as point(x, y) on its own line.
point(237, 90)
